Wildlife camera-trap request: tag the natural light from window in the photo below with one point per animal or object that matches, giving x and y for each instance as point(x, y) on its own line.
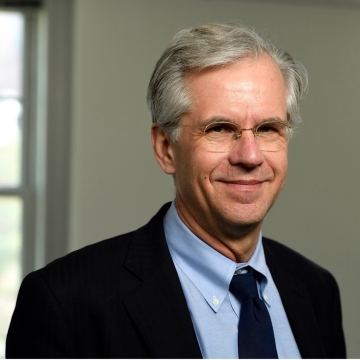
point(11, 163)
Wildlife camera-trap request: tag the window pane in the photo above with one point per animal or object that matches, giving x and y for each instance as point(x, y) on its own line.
point(10, 260)
point(11, 54)
point(10, 143)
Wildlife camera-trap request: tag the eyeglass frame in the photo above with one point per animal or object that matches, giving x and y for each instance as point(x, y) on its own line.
point(239, 131)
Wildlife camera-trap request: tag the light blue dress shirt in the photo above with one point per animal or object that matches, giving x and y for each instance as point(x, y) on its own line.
point(205, 276)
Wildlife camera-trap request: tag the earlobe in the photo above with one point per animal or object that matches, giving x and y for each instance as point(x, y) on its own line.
point(163, 149)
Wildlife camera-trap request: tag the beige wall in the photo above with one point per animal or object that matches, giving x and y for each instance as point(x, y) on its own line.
point(116, 184)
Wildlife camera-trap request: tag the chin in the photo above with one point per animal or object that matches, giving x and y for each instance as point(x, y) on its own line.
point(244, 215)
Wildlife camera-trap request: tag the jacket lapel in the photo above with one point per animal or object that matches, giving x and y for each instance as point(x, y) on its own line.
point(158, 307)
point(298, 308)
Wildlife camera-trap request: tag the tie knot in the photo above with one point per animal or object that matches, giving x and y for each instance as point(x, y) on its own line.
point(244, 286)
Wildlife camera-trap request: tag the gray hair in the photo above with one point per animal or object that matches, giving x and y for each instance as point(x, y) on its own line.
point(214, 44)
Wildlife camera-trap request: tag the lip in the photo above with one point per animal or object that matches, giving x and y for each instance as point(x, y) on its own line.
point(243, 182)
point(243, 186)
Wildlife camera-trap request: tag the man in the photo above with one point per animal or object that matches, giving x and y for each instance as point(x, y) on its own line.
point(224, 102)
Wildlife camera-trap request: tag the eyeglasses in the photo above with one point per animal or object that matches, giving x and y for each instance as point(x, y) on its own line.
point(222, 136)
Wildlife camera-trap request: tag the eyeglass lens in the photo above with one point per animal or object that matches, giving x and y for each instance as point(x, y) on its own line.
point(223, 136)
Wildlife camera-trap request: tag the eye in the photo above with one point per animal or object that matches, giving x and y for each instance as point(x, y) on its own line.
point(220, 128)
point(267, 128)
point(271, 127)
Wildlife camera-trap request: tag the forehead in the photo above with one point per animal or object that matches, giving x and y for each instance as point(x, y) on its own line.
point(262, 66)
point(250, 87)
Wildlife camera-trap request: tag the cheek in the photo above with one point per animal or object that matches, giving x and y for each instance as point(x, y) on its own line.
point(196, 162)
point(195, 170)
point(280, 167)
point(276, 163)
point(207, 168)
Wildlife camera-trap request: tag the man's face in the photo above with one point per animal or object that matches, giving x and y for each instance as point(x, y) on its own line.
point(226, 192)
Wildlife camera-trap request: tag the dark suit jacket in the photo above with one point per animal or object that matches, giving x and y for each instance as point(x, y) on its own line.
point(122, 298)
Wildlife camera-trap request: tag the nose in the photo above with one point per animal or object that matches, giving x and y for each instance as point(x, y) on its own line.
point(246, 152)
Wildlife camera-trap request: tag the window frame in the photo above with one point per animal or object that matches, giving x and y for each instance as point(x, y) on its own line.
point(46, 133)
point(24, 190)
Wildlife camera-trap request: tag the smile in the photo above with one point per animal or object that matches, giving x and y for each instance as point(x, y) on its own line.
point(243, 185)
point(243, 182)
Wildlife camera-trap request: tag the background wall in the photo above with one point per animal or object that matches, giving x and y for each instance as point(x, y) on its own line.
point(116, 185)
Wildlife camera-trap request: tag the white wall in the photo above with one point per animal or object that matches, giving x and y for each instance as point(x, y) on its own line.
point(116, 185)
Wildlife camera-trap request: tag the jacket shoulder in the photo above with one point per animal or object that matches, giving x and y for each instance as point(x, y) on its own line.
point(81, 298)
point(94, 256)
point(297, 264)
point(302, 284)
point(146, 243)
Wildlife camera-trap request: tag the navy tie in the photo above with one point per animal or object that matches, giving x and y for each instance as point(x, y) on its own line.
point(255, 332)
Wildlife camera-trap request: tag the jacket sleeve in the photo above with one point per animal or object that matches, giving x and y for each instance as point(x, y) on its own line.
point(339, 348)
point(38, 328)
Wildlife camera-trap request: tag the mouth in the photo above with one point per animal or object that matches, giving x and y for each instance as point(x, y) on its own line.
point(243, 182)
point(243, 185)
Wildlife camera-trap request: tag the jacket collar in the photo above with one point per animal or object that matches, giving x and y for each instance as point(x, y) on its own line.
point(158, 307)
point(297, 304)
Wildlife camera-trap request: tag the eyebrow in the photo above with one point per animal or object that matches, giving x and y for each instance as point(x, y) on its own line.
point(215, 119)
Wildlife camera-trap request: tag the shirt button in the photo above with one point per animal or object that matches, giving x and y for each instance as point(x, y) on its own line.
point(266, 297)
point(215, 301)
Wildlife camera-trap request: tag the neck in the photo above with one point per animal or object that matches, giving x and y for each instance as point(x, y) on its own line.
point(237, 243)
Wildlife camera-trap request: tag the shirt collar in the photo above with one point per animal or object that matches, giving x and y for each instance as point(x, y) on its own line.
point(209, 270)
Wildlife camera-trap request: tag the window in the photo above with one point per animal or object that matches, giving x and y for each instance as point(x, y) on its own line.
point(35, 122)
point(12, 161)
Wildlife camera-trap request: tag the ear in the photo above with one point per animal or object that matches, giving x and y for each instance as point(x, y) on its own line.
point(163, 149)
